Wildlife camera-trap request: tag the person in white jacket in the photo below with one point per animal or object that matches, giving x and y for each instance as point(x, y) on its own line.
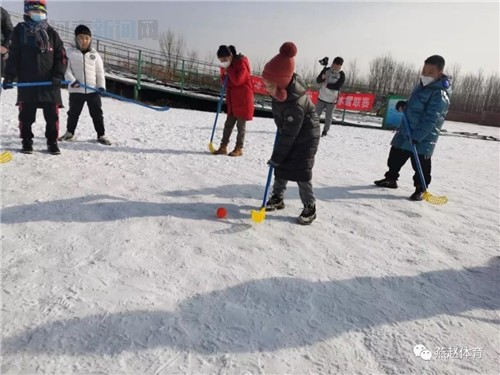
point(85, 69)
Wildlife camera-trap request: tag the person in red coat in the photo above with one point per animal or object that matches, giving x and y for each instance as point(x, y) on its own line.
point(239, 97)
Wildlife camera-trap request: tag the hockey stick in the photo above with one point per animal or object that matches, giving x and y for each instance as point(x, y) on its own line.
point(427, 194)
point(5, 157)
point(219, 108)
point(124, 99)
point(32, 84)
point(260, 215)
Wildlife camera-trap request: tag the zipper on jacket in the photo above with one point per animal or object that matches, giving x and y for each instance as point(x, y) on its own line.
point(84, 75)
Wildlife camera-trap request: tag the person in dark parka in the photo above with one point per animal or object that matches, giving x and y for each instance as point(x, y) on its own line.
point(298, 132)
point(425, 110)
point(37, 54)
point(7, 30)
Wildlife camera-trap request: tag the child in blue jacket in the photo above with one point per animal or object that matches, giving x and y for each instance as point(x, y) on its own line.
point(425, 110)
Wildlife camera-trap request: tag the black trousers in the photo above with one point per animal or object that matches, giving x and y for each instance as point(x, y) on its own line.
point(2, 64)
point(398, 157)
point(76, 103)
point(27, 116)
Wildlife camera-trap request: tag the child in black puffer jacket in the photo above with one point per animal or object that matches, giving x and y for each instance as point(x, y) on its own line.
point(298, 132)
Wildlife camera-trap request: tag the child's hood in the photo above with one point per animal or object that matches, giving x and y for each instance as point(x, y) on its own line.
point(296, 88)
point(443, 83)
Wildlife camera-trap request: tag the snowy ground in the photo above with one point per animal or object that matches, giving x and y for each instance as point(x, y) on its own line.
point(113, 260)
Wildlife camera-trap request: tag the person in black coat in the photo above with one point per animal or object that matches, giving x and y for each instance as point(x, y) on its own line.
point(7, 30)
point(298, 132)
point(37, 54)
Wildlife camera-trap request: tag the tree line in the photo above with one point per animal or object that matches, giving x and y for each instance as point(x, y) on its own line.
point(471, 92)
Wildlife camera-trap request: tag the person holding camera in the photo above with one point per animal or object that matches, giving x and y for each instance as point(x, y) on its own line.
point(331, 80)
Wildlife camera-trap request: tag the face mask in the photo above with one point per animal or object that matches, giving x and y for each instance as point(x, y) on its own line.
point(225, 64)
point(426, 80)
point(38, 17)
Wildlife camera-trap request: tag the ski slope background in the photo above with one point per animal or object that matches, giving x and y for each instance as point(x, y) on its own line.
point(113, 260)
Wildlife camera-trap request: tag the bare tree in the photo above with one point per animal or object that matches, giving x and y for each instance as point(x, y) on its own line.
point(458, 100)
point(166, 41)
point(172, 46)
point(352, 72)
point(192, 60)
point(492, 94)
point(179, 48)
point(454, 71)
point(380, 78)
point(308, 75)
point(258, 66)
point(209, 58)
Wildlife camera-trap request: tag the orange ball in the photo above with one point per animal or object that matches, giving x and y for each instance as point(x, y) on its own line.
point(221, 212)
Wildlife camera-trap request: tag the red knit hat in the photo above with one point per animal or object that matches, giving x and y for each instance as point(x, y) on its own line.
point(281, 67)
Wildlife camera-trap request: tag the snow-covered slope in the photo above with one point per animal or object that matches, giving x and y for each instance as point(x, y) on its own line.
point(113, 259)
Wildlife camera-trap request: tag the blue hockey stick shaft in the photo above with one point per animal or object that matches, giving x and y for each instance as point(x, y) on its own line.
point(219, 107)
point(34, 84)
point(415, 153)
point(124, 99)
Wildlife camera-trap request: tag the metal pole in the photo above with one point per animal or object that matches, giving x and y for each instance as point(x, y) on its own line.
point(182, 76)
point(137, 87)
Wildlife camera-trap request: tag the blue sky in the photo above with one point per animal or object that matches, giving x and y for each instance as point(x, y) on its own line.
point(465, 33)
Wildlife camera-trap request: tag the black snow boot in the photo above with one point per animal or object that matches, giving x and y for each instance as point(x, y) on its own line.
point(27, 146)
point(53, 148)
point(391, 184)
point(308, 214)
point(418, 195)
point(275, 203)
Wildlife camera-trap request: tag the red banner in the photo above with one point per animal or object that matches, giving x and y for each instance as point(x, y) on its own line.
point(362, 102)
point(258, 85)
point(355, 101)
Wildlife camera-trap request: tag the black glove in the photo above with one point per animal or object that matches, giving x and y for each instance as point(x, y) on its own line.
point(401, 105)
point(101, 90)
point(7, 84)
point(56, 82)
point(75, 84)
point(414, 142)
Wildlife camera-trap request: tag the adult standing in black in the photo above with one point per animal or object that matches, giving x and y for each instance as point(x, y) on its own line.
point(36, 54)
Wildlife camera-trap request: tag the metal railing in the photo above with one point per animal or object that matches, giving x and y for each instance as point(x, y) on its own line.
point(148, 65)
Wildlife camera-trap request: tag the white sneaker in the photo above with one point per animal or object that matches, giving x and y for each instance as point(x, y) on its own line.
point(66, 137)
point(104, 140)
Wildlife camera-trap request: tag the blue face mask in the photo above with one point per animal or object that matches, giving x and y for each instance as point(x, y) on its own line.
point(38, 17)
